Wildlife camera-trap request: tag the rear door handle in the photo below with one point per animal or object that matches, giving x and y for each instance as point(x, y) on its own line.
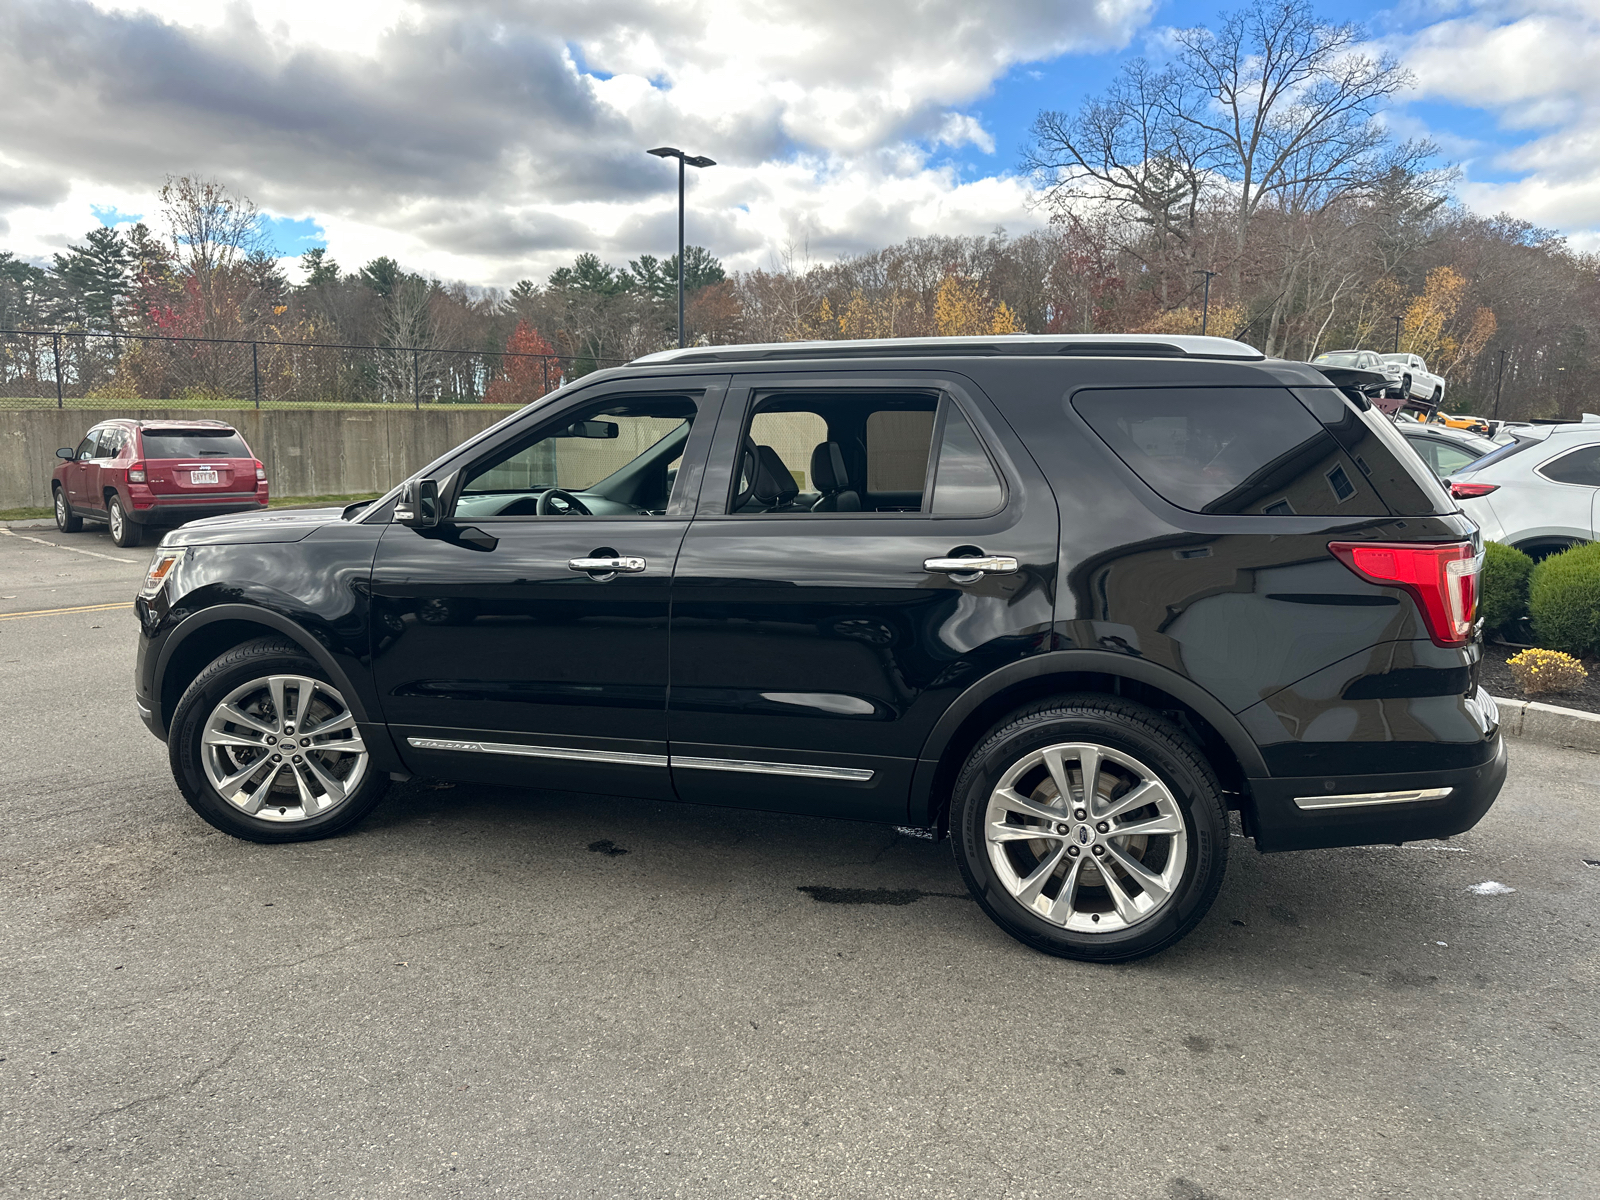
point(622, 564)
point(993, 564)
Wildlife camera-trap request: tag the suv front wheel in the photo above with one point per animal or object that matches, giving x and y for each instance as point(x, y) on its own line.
point(1091, 828)
point(265, 748)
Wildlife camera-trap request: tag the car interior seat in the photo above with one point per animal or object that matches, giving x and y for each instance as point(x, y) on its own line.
point(832, 479)
point(774, 485)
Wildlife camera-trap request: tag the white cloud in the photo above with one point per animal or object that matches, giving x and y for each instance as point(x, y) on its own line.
point(1530, 63)
point(490, 141)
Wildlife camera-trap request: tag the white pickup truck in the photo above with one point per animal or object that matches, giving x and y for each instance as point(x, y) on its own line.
point(1410, 379)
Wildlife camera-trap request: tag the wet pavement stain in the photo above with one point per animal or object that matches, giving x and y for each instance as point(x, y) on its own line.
point(606, 846)
point(1195, 1044)
point(833, 895)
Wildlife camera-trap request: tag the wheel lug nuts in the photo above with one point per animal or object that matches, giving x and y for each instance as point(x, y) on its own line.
point(297, 758)
point(277, 758)
point(271, 740)
point(1063, 827)
point(1104, 826)
point(1099, 851)
point(1073, 851)
point(1080, 814)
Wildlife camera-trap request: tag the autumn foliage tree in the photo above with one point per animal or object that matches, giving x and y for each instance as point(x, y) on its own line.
point(524, 378)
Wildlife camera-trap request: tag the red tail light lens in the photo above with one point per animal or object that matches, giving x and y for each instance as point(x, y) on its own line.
point(136, 472)
point(261, 472)
point(1443, 580)
point(1466, 491)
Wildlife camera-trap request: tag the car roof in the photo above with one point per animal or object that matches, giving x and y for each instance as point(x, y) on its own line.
point(1088, 345)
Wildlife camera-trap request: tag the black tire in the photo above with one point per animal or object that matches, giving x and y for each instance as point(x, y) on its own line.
point(1405, 387)
point(124, 531)
point(67, 521)
point(238, 668)
point(1190, 791)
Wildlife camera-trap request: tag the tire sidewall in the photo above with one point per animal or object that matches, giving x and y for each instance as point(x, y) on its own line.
point(185, 748)
point(1194, 792)
point(124, 532)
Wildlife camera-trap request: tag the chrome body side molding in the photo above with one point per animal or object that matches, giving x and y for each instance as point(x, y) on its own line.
point(621, 758)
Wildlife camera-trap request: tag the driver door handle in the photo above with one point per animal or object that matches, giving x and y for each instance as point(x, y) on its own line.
point(622, 564)
point(993, 564)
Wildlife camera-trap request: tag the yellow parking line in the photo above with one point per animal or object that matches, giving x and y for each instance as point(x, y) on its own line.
point(53, 612)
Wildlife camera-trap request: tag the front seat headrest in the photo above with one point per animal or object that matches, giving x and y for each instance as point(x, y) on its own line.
point(828, 471)
point(775, 485)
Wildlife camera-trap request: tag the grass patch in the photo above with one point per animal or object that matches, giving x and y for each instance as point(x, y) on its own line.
point(25, 514)
point(319, 501)
point(96, 404)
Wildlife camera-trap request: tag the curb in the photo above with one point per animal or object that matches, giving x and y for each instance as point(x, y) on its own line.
point(1550, 725)
point(30, 523)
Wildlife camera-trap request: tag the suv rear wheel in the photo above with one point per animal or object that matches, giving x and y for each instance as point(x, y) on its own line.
point(265, 748)
point(123, 531)
point(1092, 828)
point(66, 520)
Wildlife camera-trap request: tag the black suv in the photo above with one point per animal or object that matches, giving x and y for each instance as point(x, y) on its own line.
point(1070, 599)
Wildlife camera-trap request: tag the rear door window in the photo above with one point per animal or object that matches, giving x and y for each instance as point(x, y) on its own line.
point(1255, 451)
point(194, 443)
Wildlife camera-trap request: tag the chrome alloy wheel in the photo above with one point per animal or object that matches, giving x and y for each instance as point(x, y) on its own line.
point(1086, 837)
point(283, 748)
point(61, 507)
point(114, 520)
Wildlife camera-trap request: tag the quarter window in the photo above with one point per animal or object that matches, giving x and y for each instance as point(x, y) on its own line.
point(965, 482)
point(1229, 450)
point(1578, 466)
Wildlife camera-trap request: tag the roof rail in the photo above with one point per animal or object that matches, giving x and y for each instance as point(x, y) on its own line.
point(1102, 345)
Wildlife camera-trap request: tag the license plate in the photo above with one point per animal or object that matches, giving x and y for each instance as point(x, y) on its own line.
point(202, 476)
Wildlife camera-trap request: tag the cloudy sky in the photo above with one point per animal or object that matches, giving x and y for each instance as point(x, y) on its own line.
point(491, 140)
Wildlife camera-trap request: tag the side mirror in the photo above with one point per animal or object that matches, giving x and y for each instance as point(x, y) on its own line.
point(65, 453)
point(418, 505)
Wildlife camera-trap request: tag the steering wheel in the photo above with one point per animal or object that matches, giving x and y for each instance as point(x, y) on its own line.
point(572, 506)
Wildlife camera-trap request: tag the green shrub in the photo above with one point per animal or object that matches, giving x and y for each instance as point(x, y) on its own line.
point(1504, 585)
point(1564, 600)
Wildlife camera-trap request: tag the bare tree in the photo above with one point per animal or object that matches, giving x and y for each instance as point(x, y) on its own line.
point(213, 232)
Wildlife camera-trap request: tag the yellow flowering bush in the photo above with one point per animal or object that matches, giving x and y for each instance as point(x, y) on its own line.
point(1542, 672)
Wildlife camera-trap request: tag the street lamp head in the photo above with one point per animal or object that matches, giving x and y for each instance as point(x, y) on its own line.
point(667, 152)
point(700, 160)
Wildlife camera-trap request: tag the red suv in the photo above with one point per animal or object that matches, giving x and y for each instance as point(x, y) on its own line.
point(130, 474)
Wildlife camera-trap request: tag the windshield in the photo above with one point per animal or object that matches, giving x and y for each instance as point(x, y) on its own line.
point(1339, 358)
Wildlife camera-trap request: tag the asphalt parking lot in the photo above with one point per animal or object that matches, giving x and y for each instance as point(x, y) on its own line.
point(500, 993)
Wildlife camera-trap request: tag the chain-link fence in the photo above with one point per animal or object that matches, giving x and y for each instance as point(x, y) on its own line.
point(61, 368)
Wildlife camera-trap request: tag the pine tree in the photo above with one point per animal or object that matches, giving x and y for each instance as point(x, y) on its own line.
point(97, 277)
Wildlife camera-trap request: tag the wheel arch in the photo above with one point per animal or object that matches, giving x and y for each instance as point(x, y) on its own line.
point(1224, 740)
point(199, 639)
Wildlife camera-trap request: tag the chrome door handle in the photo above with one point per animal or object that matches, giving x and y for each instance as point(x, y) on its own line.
point(622, 565)
point(993, 564)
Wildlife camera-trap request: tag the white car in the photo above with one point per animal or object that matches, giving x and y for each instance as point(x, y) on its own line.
point(1541, 493)
point(1410, 379)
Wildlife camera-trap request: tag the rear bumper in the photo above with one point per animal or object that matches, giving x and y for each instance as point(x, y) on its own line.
point(1317, 812)
point(176, 512)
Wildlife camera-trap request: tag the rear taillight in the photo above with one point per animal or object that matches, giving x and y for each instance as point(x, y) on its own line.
point(1443, 580)
point(261, 472)
point(1466, 491)
point(136, 472)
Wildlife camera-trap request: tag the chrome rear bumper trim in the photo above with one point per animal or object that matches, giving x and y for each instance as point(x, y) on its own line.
point(1362, 799)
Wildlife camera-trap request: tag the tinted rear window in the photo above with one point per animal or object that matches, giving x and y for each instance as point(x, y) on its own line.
point(194, 443)
point(1230, 450)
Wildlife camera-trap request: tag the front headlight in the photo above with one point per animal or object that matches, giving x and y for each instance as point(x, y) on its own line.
point(156, 577)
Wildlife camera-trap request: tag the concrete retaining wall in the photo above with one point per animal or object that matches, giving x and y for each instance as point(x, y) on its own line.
point(307, 452)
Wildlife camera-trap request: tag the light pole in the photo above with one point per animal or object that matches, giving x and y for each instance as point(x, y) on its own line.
point(1205, 305)
point(1499, 378)
point(1397, 321)
point(683, 160)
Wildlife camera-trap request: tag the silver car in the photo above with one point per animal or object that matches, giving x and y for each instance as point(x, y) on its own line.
point(1541, 493)
point(1445, 450)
